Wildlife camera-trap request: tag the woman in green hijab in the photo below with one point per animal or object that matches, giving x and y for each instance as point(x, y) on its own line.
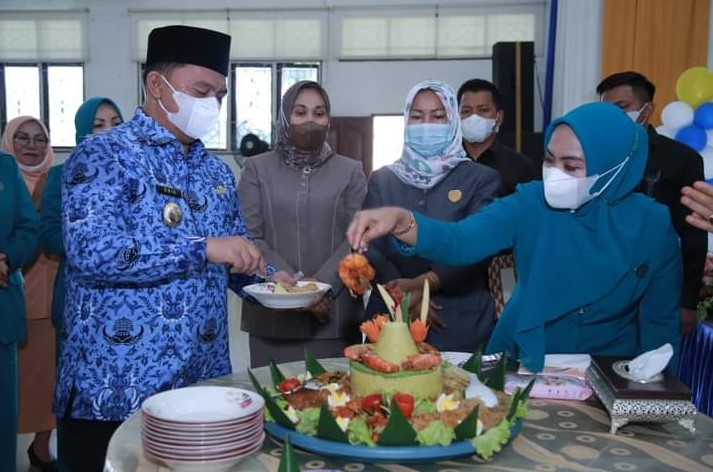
point(599, 266)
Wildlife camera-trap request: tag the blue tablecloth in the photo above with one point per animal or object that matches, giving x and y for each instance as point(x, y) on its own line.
point(696, 367)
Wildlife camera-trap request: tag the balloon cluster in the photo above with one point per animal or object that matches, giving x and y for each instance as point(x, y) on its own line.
point(690, 119)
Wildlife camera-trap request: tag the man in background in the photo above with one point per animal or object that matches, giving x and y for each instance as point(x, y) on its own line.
point(482, 114)
point(670, 167)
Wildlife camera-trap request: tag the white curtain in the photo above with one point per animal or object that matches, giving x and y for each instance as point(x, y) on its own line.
point(44, 36)
point(256, 35)
point(433, 33)
point(578, 54)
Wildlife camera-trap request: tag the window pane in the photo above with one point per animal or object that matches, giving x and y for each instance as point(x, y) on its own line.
point(66, 94)
point(253, 102)
point(388, 139)
point(292, 75)
point(217, 138)
point(22, 85)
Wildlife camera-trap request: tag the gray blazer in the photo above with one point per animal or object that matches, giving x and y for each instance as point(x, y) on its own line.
point(299, 222)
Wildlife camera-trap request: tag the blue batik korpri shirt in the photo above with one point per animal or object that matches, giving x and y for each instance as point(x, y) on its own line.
point(145, 311)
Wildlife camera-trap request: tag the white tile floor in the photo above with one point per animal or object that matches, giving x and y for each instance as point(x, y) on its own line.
point(239, 356)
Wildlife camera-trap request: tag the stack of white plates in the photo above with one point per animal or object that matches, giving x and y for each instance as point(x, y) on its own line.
point(202, 428)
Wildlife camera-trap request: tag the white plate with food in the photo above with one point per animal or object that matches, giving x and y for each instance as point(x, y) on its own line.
point(279, 295)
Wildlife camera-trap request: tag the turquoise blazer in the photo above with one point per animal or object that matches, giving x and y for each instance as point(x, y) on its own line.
point(637, 312)
point(51, 240)
point(18, 241)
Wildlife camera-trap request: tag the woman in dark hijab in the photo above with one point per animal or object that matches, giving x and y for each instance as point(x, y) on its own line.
point(297, 203)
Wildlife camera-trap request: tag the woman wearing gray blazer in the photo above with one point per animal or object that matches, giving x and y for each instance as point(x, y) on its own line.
point(297, 202)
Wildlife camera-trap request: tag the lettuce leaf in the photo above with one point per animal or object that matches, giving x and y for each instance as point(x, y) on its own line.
point(492, 440)
point(309, 417)
point(424, 406)
point(436, 433)
point(358, 432)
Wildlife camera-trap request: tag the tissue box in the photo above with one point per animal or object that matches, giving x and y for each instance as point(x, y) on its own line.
point(666, 399)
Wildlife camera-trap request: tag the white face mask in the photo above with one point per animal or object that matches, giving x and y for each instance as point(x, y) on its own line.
point(564, 191)
point(634, 115)
point(477, 129)
point(195, 116)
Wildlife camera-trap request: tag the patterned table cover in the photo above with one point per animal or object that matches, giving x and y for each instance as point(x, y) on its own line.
point(557, 435)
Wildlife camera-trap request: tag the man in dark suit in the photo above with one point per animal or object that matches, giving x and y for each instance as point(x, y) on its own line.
point(481, 112)
point(671, 166)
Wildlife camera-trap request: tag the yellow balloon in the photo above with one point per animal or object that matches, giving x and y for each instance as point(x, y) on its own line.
point(695, 86)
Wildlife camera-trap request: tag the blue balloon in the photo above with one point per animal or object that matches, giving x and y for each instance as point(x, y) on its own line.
point(703, 116)
point(692, 136)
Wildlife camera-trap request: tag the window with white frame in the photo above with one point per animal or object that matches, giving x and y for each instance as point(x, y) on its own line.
point(252, 106)
point(41, 68)
point(269, 52)
point(258, 90)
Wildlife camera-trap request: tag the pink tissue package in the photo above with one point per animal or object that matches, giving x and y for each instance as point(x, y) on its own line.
point(550, 386)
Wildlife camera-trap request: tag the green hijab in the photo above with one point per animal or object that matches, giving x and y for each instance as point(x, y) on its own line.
point(578, 257)
point(84, 118)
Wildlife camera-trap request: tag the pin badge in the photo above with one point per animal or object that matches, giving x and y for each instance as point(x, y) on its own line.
point(455, 195)
point(2, 186)
point(172, 214)
point(220, 189)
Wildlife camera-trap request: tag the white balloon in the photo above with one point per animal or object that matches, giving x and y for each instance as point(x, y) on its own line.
point(709, 133)
point(676, 115)
point(666, 131)
point(707, 155)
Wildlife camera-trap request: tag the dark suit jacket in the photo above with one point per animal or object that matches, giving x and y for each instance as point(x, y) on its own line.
point(514, 167)
point(671, 166)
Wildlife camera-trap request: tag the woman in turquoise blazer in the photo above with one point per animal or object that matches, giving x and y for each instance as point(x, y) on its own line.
point(18, 244)
point(599, 266)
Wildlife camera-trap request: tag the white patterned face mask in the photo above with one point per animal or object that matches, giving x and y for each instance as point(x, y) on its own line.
point(564, 191)
point(195, 116)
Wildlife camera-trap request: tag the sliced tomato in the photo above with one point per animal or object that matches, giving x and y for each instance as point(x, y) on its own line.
point(406, 403)
point(371, 402)
point(288, 385)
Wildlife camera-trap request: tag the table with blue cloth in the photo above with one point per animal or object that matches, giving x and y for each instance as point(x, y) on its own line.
point(696, 366)
point(555, 435)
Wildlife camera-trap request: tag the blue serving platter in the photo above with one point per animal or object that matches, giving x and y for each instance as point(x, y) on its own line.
point(400, 454)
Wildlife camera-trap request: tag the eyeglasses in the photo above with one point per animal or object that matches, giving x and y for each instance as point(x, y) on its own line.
point(24, 140)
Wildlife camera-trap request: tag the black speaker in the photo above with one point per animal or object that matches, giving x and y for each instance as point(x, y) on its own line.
point(513, 74)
